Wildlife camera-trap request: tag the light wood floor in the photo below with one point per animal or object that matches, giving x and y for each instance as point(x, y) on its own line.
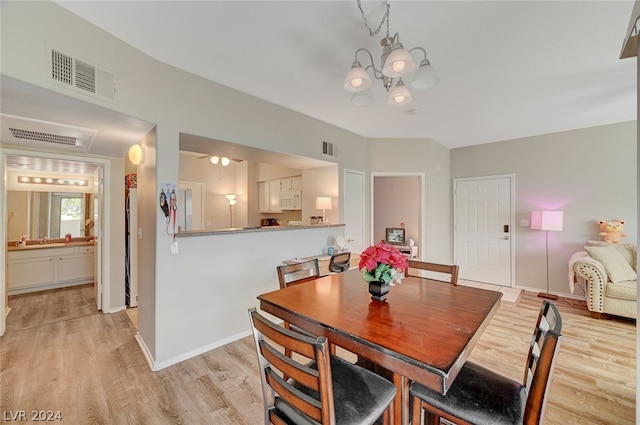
point(60, 354)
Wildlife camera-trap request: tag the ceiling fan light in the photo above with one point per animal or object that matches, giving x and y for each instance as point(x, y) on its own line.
point(425, 77)
point(214, 159)
point(399, 62)
point(400, 95)
point(363, 98)
point(224, 161)
point(357, 79)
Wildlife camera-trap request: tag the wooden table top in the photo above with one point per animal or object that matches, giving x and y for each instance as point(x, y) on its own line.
point(424, 331)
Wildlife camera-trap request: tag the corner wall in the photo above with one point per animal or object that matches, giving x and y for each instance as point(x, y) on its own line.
point(589, 174)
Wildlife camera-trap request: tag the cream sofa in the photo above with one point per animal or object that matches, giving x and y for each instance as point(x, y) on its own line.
point(609, 274)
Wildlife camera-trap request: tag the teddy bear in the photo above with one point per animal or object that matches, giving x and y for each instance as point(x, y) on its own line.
point(612, 230)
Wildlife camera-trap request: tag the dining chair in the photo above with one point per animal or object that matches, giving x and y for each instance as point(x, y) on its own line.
point(480, 396)
point(322, 389)
point(449, 269)
point(340, 262)
point(293, 274)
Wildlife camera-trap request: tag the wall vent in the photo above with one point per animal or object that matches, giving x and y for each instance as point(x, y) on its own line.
point(39, 136)
point(45, 135)
point(329, 149)
point(81, 75)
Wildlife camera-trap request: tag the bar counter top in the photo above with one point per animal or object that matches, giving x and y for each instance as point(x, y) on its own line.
point(251, 229)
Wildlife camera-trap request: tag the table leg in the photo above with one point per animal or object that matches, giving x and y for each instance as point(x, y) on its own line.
point(401, 401)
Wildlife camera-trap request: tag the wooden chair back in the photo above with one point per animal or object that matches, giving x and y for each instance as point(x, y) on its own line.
point(280, 395)
point(340, 262)
point(293, 274)
point(545, 345)
point(450, 269)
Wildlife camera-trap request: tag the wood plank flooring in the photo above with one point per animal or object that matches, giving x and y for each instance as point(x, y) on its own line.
point(88, 366)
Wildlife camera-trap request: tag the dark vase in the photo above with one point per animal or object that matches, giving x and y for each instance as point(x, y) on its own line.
point(378, 290)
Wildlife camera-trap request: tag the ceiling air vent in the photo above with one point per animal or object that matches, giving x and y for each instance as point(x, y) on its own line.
point(43, 134)
point(329, 148)
point(81, 75)
point(39, 136)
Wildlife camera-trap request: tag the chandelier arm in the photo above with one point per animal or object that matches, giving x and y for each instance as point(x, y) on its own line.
point(424, 52)
point(377, 73)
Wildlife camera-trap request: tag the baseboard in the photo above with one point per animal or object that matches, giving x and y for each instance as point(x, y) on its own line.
point(145, 351)
point(155, 366)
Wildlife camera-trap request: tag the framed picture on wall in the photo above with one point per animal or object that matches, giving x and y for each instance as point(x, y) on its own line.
point(395, 236)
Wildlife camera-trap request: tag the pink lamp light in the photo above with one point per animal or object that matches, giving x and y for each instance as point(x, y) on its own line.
point(547, 220)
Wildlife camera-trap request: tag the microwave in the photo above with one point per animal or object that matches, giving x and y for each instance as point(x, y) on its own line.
point(291, 200)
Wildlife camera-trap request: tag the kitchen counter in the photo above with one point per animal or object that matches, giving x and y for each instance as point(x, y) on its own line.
point(253, 229)
point(37, 245)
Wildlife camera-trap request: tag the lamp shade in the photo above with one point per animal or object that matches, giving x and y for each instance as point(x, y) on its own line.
point(323, 203)
point(400, 95)
point(357, 79)
point(399, 63)
point(425, 77)
point(546, 220)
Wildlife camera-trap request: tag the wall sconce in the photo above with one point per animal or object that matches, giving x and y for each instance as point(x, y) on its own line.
point(323, 203)
point(136, 154)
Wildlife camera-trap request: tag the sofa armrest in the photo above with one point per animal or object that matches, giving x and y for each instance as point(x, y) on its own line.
point(595, 275)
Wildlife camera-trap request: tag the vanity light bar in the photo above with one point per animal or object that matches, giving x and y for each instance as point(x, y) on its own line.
point(52, 180)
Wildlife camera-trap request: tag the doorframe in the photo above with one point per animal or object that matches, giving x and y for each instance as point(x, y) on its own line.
point(423, 206)
point(103, 238)
point(512, 220)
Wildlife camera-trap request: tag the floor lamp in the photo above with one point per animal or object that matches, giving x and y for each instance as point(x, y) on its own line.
point(547, 221)
point(232, 201)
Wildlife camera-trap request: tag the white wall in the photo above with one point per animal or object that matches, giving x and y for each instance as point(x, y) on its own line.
point(428, 157)
point(589, 174)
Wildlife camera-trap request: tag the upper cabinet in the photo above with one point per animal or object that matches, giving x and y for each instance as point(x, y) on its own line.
point(269, 196)
point(280, 195)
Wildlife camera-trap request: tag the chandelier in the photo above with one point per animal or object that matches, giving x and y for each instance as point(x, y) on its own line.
point(396, 63)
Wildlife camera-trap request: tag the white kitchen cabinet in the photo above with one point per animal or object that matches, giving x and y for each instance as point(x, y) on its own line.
point(30, 270)
point(269, 196)
point(291, 184)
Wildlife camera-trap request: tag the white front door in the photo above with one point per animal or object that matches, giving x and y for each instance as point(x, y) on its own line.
point(483, 221)
point(354, 210)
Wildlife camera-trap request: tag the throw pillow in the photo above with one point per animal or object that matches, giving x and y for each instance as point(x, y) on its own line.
point(618, 269)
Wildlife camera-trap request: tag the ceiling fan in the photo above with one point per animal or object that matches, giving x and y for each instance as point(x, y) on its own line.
point(222, 160)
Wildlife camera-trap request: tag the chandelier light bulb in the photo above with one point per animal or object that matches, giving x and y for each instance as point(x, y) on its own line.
point(357, 79)
point(215, 159)
point(224, 161)
point(399, 63)
point(400, 95)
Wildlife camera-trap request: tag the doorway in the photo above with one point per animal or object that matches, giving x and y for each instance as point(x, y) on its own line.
point(70, 216)
point(397, 199)
point(483, 229)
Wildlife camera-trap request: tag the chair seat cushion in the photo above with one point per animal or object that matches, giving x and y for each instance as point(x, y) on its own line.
point(479, 396)
point(624, 290)
point(360, 396)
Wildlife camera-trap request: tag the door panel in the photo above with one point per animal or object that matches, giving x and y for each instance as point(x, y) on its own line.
point(483, 244)
point(354, 210)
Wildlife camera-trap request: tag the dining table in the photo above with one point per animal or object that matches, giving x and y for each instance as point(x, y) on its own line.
point(424, 331)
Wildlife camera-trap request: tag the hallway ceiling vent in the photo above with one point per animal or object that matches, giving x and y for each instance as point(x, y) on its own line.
point(43, 134)
point(81, 75)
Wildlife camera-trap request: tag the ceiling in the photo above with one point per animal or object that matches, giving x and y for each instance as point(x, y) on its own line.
point(508, 69)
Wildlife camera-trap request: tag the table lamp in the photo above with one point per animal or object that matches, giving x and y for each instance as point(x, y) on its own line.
point(547, 220)
point(323, 203)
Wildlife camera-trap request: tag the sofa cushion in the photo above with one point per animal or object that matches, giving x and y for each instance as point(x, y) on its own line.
point(628, 250)
point(617, 267)
point(625, 290)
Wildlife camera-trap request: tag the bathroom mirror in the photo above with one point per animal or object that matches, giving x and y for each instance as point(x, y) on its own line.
point(42, 215)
